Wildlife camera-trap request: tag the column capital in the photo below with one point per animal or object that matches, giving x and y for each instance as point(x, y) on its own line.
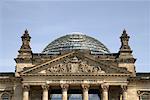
point(85, 87)
point(138, 92)
point(64, 87)
point(124, 88)
point(45, 87)
point(26, 87)
point(105, 87)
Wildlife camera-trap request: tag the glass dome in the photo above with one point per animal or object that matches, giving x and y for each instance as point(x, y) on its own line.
point(75, 41)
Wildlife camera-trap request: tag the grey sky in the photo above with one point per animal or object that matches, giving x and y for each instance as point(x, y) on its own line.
point(47, 20)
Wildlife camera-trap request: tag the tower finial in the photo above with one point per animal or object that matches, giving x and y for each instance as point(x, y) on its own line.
point(124, 31)
point(25, 49)
point(26, 31)
point(124, 41)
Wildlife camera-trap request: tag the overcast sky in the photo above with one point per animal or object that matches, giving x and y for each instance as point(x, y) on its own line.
point(47, 20)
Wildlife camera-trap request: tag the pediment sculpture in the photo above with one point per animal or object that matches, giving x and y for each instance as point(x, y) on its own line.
point(74, 66)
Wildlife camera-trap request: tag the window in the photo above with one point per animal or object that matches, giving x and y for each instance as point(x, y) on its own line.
point(75, 97)
point(55, 94)
point(5, 96)
point(94, 94)
point(75, 94)
point(56, 97)
point(94, 97)
point(145, 96)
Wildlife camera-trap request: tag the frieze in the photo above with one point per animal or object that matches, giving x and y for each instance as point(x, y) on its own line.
point(74, 66)
point(75, 82)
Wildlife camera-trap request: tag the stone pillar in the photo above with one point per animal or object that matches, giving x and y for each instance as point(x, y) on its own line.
point(105, 92)
point(26, 89)
point(85, 88)
point(139, 94)
point(124, 92)
point(45, 92)
point(64, 91)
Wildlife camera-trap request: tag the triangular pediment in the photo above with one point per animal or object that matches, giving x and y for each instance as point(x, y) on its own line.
point(74, 63)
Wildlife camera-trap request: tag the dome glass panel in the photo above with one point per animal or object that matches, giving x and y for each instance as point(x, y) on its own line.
point(75, 41)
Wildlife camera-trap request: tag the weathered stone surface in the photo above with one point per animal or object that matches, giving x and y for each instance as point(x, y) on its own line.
point(112, 74)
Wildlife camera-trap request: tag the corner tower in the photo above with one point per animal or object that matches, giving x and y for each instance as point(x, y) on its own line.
point(125, 58)
point(24, 58)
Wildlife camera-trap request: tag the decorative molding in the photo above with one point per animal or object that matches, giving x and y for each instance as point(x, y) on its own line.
point(77, 74)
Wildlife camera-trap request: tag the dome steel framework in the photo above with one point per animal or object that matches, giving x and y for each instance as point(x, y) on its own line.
point(75, 41)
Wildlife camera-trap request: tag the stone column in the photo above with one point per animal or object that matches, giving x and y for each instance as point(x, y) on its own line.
point(124, 92)
point(105, 92)
point(45, 92)
point(85, 88)
point(26, 89)
point(139, 94)
point(64, 91)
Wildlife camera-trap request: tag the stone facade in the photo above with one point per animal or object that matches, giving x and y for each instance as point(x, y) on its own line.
point(43, 76)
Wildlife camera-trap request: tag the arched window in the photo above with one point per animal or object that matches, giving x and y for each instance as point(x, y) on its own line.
point(145, 96)
point(5, 96)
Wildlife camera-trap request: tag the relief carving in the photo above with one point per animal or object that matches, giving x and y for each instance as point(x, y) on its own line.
point(74, 66)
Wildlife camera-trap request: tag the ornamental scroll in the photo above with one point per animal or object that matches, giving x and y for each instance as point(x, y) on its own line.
point(74, 66)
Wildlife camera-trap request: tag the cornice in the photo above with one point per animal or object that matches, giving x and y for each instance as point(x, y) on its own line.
point(126, 60)
point(47, 63)
point(75, 74)
point(10, 79)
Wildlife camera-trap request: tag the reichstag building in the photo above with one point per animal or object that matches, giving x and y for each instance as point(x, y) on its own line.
point(75, 67)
